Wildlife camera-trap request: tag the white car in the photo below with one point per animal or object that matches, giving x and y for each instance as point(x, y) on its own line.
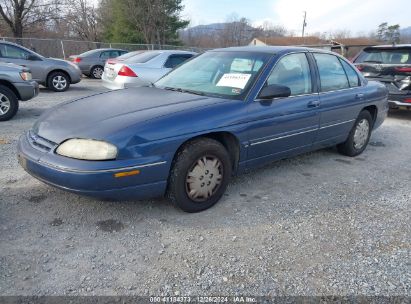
point(142, 69)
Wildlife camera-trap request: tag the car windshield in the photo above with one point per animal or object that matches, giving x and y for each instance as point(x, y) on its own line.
point(226, 74)
point(385, 56)
point(143, 57)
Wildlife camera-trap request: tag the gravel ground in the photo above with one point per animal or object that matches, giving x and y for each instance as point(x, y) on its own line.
point(317, 224)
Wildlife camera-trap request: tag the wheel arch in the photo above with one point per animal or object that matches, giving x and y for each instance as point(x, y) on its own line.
point(230, 142)
point(11, 87)
point(373, 110)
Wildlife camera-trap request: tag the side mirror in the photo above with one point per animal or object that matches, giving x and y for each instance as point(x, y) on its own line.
point(274, 91)
point(32, 57)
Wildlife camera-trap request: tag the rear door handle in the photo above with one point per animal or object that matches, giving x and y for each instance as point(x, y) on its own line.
point(313, 104)
point(359, 96)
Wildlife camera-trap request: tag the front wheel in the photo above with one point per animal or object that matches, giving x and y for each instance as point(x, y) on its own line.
point(200, 175)
point(58, 82)
point(9, 103)
point(359, 136)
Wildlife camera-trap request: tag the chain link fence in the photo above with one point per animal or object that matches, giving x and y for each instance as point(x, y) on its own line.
point(63, 48)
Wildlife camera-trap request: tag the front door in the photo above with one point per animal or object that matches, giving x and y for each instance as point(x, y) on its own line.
point(13, 54)
point(285, 126)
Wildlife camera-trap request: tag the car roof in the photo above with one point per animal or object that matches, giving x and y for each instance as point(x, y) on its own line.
point(389, 46)
point(272, 49)
point(105, 49)
point(172, 51)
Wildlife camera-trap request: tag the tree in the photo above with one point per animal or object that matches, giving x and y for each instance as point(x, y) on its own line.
point(83, 20)
point(381, 31)
point(21, 15)
point(388, 33)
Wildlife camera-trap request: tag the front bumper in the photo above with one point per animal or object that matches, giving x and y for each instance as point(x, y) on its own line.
point(27, 89)
point(85, 178)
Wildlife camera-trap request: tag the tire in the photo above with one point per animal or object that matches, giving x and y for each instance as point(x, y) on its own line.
point(359, 135)
point(189, 165)
point(58, 81)
point(96, 72)
point(9, 104)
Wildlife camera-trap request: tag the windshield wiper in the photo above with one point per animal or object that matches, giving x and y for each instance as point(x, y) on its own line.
point(184, 91)
point(372, 61)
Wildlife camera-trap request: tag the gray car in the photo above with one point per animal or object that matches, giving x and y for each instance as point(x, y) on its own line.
point(15, 85)
point(143, 68)
point(55, 74)
point(92, 63)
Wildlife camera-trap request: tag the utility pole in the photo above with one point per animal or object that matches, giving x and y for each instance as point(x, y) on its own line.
point(304, 25)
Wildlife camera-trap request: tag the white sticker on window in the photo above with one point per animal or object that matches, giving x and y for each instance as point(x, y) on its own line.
point(234, 80)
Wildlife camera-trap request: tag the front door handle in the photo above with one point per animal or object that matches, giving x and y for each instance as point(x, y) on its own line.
point(313, 104)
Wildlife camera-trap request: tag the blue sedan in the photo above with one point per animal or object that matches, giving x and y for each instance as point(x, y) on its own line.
point(219, 114)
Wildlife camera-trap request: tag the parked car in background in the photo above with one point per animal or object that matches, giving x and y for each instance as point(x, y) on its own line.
point(91, 63)
point(392, 66)
point(125, 56)
point(55, 74)
point(15, 85)
point(223, 112)
point(142, 69)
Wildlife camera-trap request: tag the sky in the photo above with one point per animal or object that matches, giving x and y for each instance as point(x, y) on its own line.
point(356, 16)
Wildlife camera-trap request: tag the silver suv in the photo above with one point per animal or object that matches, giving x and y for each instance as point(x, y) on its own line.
point(55, 74)
point(15, 85)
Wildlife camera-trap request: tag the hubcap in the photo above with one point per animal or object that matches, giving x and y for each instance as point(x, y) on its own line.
point(59, 82)
point(97, 72)
point(361, 133)
point(204, 178)
point(4, 104)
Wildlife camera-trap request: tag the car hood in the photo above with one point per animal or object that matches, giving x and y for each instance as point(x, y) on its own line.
point(100, 116)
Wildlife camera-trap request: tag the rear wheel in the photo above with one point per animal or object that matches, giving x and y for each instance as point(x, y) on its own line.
point(9, 103)
point(58, 82)
point(97, 72)
point(200, 175)
point(359, 135)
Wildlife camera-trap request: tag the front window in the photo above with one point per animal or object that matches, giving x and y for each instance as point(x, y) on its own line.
point(13, 52)
point(292, 71)
point(222, 74)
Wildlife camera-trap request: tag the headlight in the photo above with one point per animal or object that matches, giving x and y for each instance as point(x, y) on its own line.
point(87, 149)
point(25, 75)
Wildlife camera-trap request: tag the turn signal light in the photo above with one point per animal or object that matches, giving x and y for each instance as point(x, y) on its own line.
point(127, 173)
point(126, 71)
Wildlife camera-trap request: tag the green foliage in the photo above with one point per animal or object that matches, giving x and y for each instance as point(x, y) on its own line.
point(116, 26)
point(142, 21)
point(388, 33)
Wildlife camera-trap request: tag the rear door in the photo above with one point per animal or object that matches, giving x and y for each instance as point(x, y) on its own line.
point(341, 94)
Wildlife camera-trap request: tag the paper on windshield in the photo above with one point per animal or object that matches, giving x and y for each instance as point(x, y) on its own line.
point(234, 80)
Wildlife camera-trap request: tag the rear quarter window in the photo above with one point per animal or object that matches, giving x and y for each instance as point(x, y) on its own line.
point(352, 75)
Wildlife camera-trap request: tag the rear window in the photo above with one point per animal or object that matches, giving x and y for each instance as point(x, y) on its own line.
point(143, 57)
point(385, 56)
point(129, 55)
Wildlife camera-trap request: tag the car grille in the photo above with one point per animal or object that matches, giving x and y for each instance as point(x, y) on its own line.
point(40, 143)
